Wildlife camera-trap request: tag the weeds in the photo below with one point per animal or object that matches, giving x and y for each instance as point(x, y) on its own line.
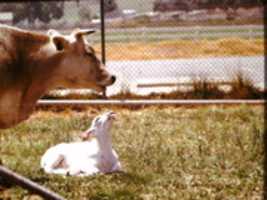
point(243, 88)
point(239, 88)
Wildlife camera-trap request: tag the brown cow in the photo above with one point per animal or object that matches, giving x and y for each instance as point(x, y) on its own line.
point(32, 63)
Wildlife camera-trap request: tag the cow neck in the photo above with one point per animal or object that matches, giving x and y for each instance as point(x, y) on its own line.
point(30, 40)
point(42, 70)
point(44, 66)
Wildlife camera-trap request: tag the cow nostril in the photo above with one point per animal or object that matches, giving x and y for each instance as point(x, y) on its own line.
point(113, 79)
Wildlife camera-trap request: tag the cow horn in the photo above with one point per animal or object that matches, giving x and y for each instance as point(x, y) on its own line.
point(79, 33)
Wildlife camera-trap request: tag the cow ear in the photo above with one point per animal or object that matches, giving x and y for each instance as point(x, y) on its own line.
point(60, 42)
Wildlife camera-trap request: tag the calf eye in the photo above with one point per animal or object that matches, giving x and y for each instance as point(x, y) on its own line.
point(97, 120)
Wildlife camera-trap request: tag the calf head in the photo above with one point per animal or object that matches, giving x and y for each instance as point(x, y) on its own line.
point(100, 126)
point(80, 67)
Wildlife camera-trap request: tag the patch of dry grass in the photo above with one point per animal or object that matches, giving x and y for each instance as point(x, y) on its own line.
point(184, 49)
point(174, 23)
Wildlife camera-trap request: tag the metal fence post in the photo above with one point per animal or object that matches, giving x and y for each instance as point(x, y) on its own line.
point(103, 41)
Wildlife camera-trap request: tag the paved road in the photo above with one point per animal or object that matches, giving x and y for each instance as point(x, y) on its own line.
point(131, 73)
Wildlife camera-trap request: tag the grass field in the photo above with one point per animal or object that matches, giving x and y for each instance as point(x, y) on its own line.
point(174, 49)
point(211, 152)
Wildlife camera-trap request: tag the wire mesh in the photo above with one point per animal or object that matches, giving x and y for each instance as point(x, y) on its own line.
point(161, 47)
point(172, 46)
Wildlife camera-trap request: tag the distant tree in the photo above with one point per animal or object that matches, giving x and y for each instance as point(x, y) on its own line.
point(85, 13)
point(110, 5)
point(44, 11)
point(169, 5)
point(172, 5)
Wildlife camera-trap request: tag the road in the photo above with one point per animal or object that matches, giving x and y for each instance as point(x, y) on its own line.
point(132, 73)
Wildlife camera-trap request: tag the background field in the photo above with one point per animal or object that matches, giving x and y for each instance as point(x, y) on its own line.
point(211, 152)
point(184, 49)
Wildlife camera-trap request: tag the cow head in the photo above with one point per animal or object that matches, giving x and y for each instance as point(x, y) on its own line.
point(80, 67)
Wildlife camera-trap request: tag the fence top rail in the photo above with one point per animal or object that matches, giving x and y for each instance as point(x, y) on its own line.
point(187, 29)
point(216, 28)
point(186, 35)
point(150, 102)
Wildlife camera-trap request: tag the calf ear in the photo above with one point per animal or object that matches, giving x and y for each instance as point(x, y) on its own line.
point(84, 136)
point(60, 42)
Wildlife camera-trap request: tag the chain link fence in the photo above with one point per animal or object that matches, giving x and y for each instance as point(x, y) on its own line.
point(199, 52)
point(163, 49)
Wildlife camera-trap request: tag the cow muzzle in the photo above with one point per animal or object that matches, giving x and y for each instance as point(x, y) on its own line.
point(107, 82)
point(113, 79)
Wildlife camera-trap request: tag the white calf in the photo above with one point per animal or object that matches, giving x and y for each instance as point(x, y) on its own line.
point(88, 157)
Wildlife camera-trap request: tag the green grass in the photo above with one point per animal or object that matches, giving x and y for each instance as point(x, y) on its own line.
point(156, 36)
point(211, 152)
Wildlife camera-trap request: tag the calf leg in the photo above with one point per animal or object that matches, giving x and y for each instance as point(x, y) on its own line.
point(55, 164)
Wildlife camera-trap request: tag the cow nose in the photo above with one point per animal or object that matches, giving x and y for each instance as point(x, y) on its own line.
point(113, 79)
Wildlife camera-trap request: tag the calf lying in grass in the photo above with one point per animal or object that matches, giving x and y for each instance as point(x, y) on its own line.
point(88, 157)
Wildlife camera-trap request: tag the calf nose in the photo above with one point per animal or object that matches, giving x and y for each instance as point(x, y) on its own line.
point(113, 79)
